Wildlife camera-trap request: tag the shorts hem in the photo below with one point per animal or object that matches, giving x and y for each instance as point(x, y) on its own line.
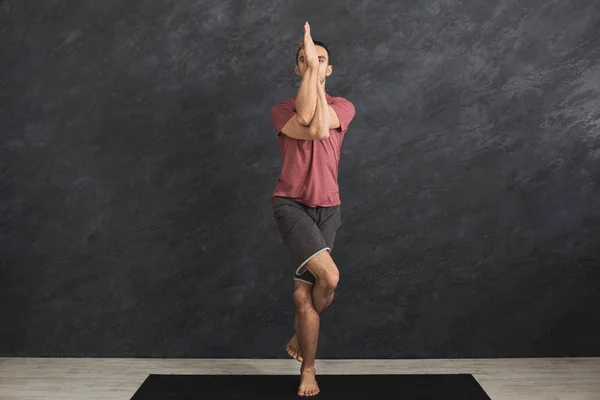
point(302, 280)
point(299, 270)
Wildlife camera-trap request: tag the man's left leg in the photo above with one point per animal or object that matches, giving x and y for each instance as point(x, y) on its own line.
point(328, 220)
point(302, 296)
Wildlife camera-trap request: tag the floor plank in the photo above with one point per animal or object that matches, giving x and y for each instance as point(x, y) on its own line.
point(117, 378)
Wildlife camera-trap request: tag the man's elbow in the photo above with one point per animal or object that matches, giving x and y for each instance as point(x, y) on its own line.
point(303, 120)
point(318, 133)
point(322, 135)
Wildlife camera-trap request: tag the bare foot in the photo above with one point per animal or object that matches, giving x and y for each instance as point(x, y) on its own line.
point(293, 348)
point(308, 382)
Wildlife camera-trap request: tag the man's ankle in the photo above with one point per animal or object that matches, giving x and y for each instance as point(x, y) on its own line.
point(308, 367)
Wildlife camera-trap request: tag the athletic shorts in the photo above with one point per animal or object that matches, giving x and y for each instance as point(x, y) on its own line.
point(306, 231)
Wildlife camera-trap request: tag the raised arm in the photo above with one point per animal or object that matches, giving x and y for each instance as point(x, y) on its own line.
point(321, 121)
point(318, 128)
point(306, 99)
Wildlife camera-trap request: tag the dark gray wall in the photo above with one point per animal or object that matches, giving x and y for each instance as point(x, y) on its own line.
point(137, 161)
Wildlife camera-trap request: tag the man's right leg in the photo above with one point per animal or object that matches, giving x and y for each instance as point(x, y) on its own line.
point(309, 303)
point(327, 276)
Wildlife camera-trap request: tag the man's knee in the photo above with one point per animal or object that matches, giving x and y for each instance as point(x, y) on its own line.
point(329, 280)
point(325, 271)
point(303, 297)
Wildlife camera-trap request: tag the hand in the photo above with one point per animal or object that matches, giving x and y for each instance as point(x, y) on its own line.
point(310, 50)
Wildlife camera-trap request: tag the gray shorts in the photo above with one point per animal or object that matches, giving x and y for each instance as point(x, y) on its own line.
point(306, 231)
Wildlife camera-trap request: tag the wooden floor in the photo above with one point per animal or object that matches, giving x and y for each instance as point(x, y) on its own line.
point(118, 379)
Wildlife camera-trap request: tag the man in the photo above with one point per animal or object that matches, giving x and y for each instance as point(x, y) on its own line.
point(306, 203)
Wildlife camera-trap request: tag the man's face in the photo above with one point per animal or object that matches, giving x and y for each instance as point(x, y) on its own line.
point(324, 67)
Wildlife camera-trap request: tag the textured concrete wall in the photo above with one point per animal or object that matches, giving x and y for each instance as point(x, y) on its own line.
point(137, 159)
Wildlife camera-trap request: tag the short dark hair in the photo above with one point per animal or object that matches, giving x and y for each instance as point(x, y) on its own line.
point(317, 43)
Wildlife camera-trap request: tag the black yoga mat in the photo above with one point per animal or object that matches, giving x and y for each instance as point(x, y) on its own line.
point(282, 387)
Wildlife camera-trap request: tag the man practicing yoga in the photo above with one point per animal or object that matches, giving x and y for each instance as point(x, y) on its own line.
point(306, 203)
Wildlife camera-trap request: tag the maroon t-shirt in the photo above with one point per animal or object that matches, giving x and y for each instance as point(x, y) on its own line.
point(310, 167)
